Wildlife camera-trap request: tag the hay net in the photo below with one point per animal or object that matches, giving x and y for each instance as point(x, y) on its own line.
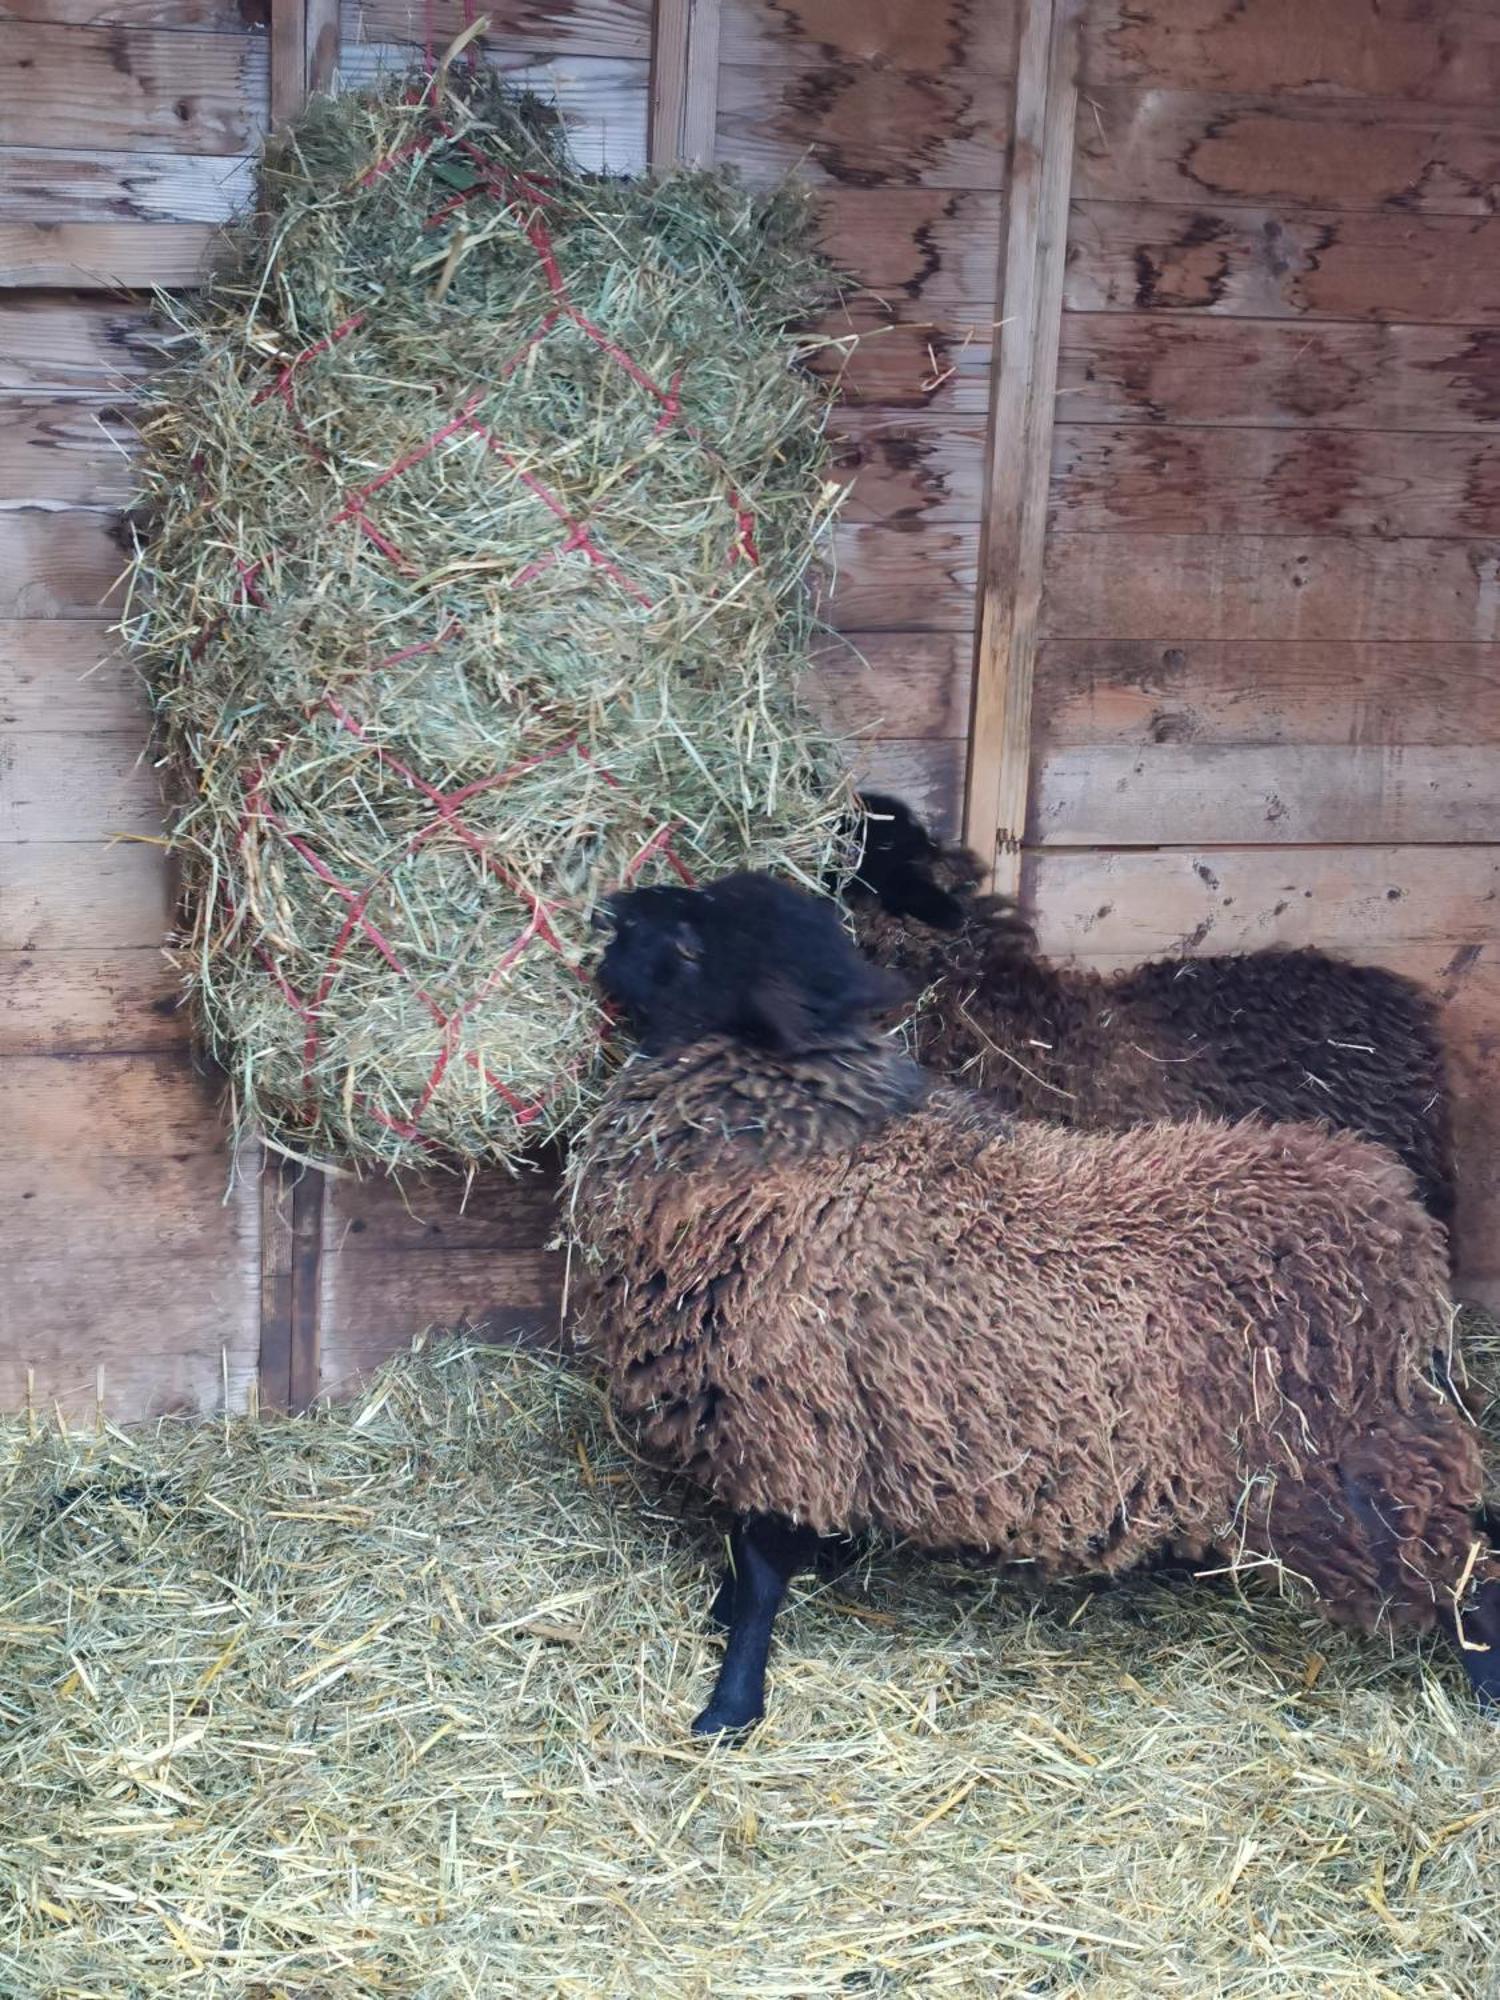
point(480, 504)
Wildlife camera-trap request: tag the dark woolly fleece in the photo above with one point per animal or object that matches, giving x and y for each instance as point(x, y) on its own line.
point(1287, 1035)
point(828, 1288)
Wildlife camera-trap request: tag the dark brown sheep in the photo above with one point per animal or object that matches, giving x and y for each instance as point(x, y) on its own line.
point(1287, 1035)
point(843, 1296)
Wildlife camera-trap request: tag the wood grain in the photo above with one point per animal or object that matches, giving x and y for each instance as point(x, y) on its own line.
point(934, 245)
point(75, 452)
point(88, 1001)
point(230, 16)
point(859, 125)
point(1440, 54)
point(902, 466)
point(58, 564)
point(894, 684)
point(1181, 369)
point(1341, 153)
point(943, 35)
point(376, 1302)
point(615, 28)
point(1314, 264)
point(288, 59)
point(54, 184)
point(1184, 587)
point(60, 894)
point(1249, 691)
point(105, 255)
point(114, 88)
point(892, 580)
point(886, 364)
point(65, 675)
point(1232, 795)
point(1349, 899)
point(928, 774)
point(68, 344)
point(1179, 479)
point(684, 82)
point(1023, 402)
point(57, 786)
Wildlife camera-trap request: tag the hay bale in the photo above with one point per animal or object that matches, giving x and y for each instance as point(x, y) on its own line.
point(472, 578)
point(394, 1700)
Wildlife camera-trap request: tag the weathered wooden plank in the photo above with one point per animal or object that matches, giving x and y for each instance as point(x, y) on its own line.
point(1144, 368)
point(72, 1195)
point(58, 894)
point(288, 59)
point(66, 674)
point(1179, 479)
point(894, 684)
point(939, 246)
point(50, 184)
point(684, 82)
point(617, 28)
point(1129, 691)
point(1407, 48)
point(602, 101)
point(494, 1215)
point(894, 580)
point(376, 1302)
point(89, 1000)
point(324, 44)
point(1232, 795)
point(1342, 153)
point(230, 16)
point(904, 467)
point(928, 774)
point(1349, 899)
point(140, 1384)
point(831, 34)
point(76, 452)
point(118, 1107)
point(1316, 264)
point(72, 345)
point(60, 787)
point(109, 88)
point(1023, 401)
point(1182, 587)
point(884, 364)
point(105, 255)
point(866, 126)
point(58, 564)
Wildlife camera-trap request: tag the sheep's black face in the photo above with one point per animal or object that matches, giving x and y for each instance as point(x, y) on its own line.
point(749, 957)
point(896, 866)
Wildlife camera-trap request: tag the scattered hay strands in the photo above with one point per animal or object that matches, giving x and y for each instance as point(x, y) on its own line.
point(392, 1700)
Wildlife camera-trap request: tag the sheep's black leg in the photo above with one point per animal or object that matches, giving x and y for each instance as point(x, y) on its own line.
point(1481, 1628)
point(767, 1554)
point(721, 1611)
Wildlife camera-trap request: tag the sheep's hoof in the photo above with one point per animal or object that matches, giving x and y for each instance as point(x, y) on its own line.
point(724, 1719)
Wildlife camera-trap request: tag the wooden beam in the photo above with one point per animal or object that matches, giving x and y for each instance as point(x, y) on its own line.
point(288, 59)
point(322, 45)
point(1023, 392)
point(684, 82)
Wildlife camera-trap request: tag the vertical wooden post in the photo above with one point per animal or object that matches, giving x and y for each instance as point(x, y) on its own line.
point(304, 53)
point(1023, 390)
point(684, 82)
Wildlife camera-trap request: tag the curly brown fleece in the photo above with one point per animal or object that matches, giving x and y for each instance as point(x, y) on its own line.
point(828, 1289)
point(1293, 1035)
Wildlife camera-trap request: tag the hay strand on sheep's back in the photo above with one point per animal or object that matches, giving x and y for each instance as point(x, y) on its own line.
point(393, 1700)
point(472, 582)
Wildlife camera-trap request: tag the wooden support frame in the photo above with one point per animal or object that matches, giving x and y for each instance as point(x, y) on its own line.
point(304, 53)
point(1022, 394)
point(291, 1276)
point(684, 82)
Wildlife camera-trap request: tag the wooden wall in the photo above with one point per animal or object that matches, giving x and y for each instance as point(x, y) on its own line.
point(1267, 699)
point(1264, 696)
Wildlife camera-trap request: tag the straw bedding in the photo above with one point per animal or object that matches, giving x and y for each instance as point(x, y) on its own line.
point(480, 504)
point(392, 1700)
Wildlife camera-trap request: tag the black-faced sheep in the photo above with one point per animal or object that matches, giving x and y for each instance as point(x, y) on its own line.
point(844, 1296)
point(1289, 1035)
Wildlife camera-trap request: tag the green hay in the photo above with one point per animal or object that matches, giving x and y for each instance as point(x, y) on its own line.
point(393, 1700)
point(643, 720)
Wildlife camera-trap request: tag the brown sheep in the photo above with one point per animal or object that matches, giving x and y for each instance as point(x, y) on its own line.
point(1289, 1035)
point(843, 1296)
